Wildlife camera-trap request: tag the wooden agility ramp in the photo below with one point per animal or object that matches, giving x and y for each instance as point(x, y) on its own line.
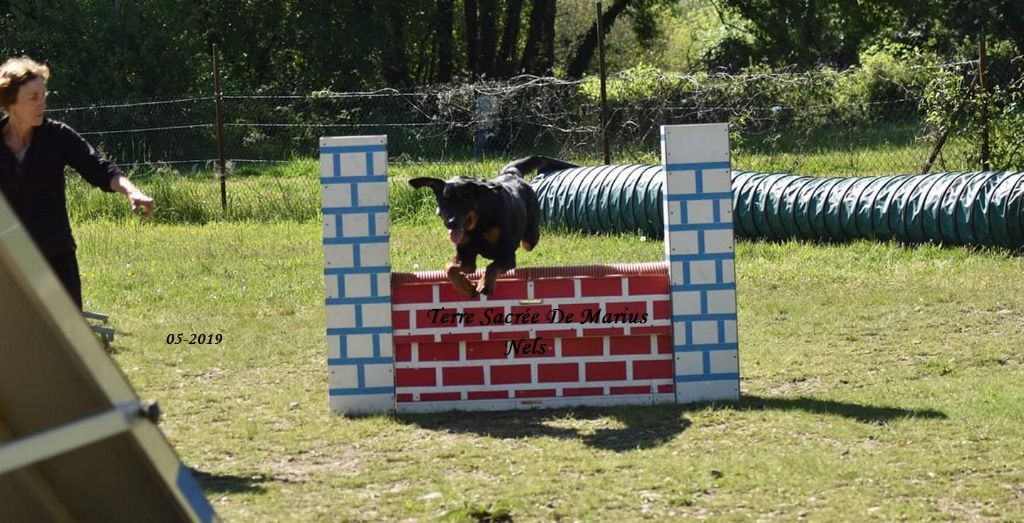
point(76, 443)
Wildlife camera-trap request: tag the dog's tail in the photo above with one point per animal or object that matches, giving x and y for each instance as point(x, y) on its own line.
point(540, 164)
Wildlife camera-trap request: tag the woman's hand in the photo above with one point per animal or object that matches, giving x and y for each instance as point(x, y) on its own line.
point(142, 204)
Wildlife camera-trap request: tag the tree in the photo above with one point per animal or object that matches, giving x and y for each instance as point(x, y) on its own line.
point(997, 18)
point(585, 51)
point(472, 31)
point(509, 37)
point(488, 25)
point(808, 32)
point(395, 62)
point(538, 53)
point(444, 39)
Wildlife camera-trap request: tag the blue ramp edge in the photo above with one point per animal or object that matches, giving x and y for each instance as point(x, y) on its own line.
point(188, 486)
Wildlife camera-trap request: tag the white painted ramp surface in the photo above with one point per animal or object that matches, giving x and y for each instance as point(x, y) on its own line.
point(75, 442)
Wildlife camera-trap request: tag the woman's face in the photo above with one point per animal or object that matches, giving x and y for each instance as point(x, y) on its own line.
point(31, 103)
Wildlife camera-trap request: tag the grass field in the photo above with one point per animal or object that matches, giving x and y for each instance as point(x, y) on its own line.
point(879, 382)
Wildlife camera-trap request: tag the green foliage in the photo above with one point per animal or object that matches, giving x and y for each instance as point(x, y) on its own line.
point(163, 48)
point(943, 97)
point(890, 76)
point(1007, 124)
point(101, 50)
point(731, 46)
point(999, 19)
point(640, 82)
point(956, 101)
point(761, 99)
point(688, 26)
point(809, 33)
point(779, 85)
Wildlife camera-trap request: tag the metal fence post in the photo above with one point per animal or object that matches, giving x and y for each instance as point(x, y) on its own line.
point(218, 103)
point(983, 84)
point(604, 92)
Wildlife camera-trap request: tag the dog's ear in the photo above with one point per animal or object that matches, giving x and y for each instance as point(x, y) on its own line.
point(435, 184)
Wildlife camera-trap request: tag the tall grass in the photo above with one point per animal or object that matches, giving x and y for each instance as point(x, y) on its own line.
point(291, 191)
point(285, 192)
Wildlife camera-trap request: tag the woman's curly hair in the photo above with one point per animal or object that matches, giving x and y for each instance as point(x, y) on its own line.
point(16, 72)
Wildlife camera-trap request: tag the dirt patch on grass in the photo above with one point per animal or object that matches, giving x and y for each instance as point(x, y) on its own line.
point(797, 386)
point(970, 511)
point(298, 469)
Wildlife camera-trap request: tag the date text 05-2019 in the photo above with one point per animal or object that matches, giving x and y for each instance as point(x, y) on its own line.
point(177, 338)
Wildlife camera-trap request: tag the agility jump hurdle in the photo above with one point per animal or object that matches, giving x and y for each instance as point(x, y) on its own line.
point(613, 334)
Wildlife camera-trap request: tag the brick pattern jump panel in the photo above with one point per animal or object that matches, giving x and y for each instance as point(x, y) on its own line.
point(638, 333)
point(700, 248)
point(357, 273)
point(567, 336)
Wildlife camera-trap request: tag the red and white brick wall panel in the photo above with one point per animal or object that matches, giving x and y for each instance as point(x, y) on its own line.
point(466, 362)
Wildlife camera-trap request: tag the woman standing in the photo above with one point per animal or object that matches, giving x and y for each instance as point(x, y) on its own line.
point(36, 150)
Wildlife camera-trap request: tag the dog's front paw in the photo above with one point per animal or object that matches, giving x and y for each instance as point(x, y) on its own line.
point(483, 287)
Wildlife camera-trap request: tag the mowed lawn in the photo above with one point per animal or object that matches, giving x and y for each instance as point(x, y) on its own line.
point(879, 382)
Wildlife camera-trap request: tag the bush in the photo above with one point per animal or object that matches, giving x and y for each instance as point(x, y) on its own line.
point(641, 82)
point(889, 83)
point(954, 99)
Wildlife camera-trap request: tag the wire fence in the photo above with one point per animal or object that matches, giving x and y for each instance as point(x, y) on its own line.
point(821, 122)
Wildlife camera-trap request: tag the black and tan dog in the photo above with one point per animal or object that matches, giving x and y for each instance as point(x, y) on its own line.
point(490, 219)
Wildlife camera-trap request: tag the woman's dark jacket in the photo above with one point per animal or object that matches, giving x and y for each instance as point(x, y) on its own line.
point(35, 188)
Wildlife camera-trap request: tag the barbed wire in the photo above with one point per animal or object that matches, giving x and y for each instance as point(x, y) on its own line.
point(149, 129)
point(775, 116)
point(132, 104)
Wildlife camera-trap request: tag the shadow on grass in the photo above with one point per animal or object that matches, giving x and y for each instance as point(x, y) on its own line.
point(227, 483)
point(640, 427)
point(862, 413)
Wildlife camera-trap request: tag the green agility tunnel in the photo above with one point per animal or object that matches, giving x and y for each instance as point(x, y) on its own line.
point(975, 208)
